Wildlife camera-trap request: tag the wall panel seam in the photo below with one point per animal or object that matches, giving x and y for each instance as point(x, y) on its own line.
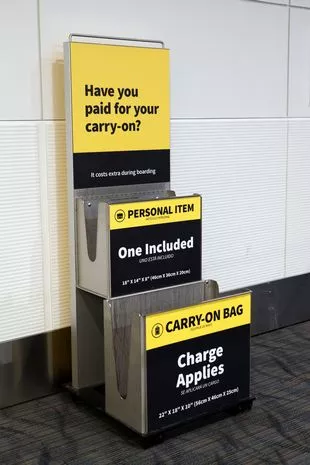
point(266, 2)
point(288, 63)
point(45, 227)
point(40, 57)
point(299, 7)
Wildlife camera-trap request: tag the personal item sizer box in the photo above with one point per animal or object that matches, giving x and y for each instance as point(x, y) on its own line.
point(136, 246)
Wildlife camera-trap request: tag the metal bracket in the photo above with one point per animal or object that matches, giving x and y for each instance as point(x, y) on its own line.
point(118, 39)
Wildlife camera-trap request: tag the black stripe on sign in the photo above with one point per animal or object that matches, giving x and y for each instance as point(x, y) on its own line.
point(104, 169)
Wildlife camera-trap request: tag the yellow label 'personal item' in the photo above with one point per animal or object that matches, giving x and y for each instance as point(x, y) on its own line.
point(150, 212)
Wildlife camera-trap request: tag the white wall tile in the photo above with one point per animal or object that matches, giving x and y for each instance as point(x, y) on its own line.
point(21, 258)
point(298, 198)
point(299, 63)
point(239, 167)
point(19, 56)
point(228, 57)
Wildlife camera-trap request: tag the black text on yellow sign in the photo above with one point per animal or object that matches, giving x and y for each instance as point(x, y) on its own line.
point(154, 244)
point(179, 325)
point(149, 213)
point(120, 98)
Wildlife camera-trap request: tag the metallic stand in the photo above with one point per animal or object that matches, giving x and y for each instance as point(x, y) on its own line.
point(108, 347)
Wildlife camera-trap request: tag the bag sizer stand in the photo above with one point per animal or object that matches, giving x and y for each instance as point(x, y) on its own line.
point(153, 345)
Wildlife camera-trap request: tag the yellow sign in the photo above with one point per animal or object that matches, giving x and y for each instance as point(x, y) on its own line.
point(209, 317)
point(150, 212)
point(120, 98)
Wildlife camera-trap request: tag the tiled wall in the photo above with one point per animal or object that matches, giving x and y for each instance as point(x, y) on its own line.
point(240, 81)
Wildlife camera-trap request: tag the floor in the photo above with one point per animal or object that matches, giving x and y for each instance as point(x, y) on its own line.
point(57, 431)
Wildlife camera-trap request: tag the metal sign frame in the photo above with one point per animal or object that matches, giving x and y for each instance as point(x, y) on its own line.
point(87, 340)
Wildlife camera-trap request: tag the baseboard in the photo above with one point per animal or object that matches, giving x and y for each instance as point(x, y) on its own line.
point(34, 367)
point(279, 303)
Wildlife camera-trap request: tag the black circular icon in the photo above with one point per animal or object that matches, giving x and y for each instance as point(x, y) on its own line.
point(119, 216)
point(157, 330)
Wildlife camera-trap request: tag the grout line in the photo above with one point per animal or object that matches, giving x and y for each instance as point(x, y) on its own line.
point(299, 7)
point(289, 4)
point(268, 2)
point(230, 118)
point(40, 57)
point(48, 316)
point(223, 118)
point(288, 63)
